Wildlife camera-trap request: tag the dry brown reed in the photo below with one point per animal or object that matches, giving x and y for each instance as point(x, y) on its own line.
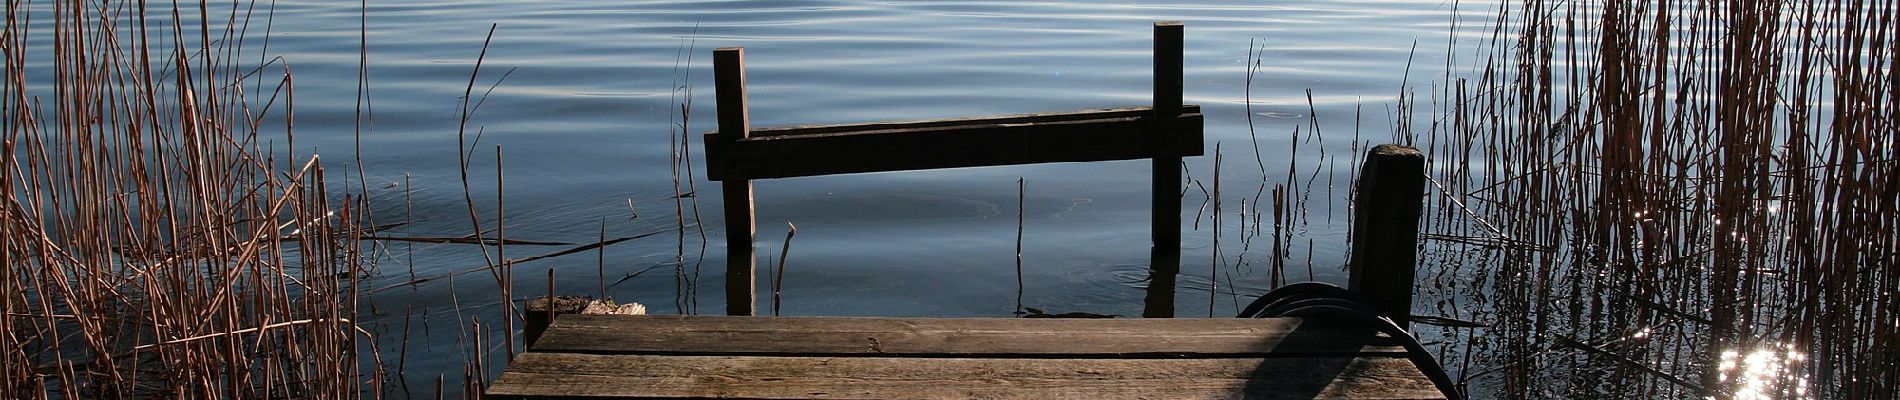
point(680, 124)
point(1669, 199)
point(154, 244)
point(778, 272)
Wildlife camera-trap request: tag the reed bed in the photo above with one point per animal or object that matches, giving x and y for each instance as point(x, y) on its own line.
point(163, 235)
point(1668, 199)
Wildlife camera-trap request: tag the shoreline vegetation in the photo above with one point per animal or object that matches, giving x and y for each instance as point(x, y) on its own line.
point(1677, 198)
point(157, 244)
point(1626, 199)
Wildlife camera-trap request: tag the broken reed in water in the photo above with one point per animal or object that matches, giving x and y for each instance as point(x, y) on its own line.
point(1640, 197)
point(154, 243)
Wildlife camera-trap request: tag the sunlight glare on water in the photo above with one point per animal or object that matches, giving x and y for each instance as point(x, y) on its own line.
point(1764, 372)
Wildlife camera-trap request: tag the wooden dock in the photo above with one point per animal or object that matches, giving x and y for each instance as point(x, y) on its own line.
point(624, 357)
point(741, 356)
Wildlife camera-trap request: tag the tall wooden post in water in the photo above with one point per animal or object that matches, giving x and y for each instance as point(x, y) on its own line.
point(1165, 255)
point(1385, 229)
point(734, 124)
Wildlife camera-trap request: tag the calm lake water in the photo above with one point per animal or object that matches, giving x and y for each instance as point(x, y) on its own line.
point(580, 101)
point(579, 96)
point(1564, 254)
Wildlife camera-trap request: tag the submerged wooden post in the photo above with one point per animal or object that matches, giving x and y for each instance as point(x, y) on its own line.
point(1385, 229)
point(1165, 255)
point(729, 82)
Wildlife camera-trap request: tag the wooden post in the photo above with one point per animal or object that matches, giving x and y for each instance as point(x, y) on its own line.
point(1165, 255)
point(541, 313)
point(1391, 192)
point(729, 83)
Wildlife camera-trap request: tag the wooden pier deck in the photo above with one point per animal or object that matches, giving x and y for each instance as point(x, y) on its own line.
point(741, 356)
point(623, 357)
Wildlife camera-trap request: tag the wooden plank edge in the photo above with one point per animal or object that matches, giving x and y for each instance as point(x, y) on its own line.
point(544, 376)
point(1368, 352)
point(1098, 113)
point(974, 337)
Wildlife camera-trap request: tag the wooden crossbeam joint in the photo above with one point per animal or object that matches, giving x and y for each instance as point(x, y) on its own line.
point(734, 121)
point(1164, 257)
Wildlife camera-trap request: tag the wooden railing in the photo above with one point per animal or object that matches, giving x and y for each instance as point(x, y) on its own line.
point(736, 154)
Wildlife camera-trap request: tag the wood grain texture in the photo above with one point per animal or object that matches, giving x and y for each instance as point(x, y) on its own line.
point(961, 337)
point(1092, 135)
point(559, 375)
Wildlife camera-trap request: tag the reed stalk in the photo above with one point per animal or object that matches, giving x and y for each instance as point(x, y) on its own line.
point(1670, 199)
point(154, 245)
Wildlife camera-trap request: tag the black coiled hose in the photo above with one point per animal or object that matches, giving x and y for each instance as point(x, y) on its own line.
point(1314, 299)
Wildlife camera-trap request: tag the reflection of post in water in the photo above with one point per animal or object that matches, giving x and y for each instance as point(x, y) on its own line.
point(1160, 297)
point(1021, 186)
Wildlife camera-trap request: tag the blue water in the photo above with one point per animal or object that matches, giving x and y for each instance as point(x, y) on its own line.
point(577, 95)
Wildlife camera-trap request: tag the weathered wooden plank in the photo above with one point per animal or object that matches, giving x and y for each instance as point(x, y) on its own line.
point(557, 375)
point(1094, 135)
point(961, 337)
point(1391, 193)
point(955, 122)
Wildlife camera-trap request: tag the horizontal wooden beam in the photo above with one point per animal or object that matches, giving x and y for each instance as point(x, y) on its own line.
point(1076, 136)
